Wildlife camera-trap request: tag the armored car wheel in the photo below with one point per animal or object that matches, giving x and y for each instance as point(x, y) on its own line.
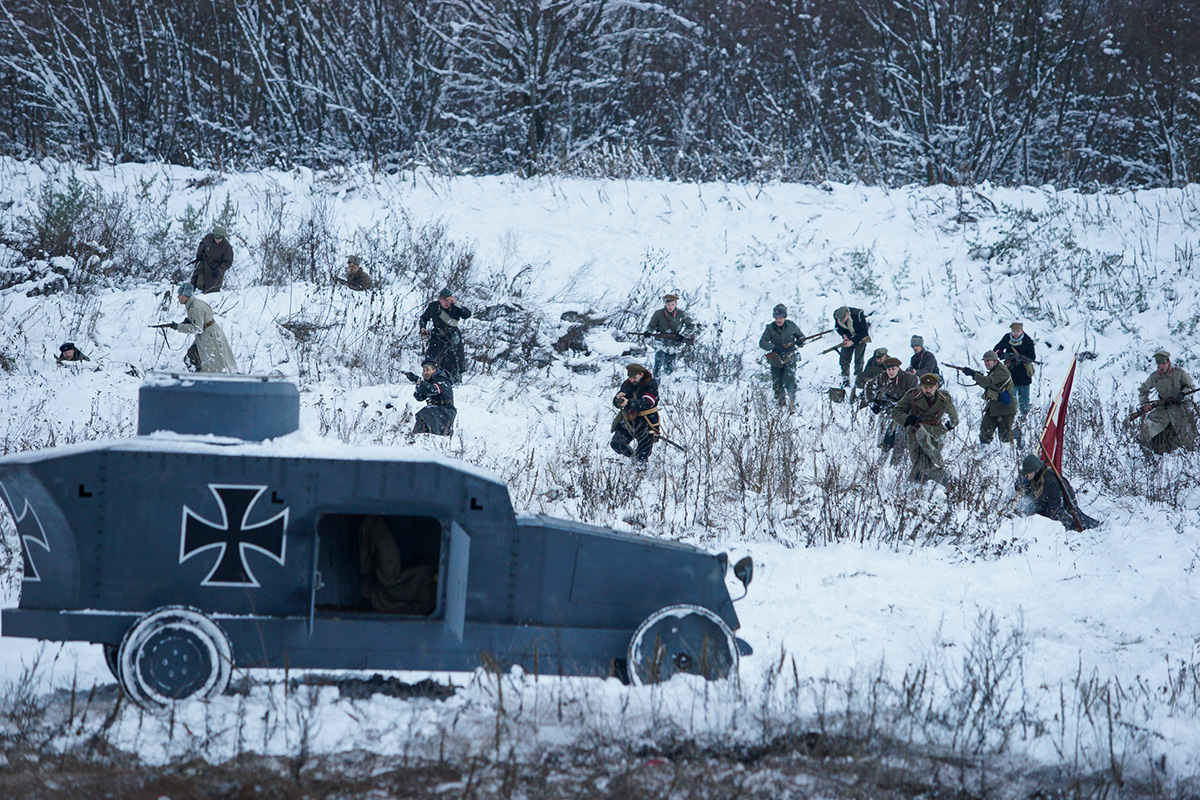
point(174, 654)
point(682, 639)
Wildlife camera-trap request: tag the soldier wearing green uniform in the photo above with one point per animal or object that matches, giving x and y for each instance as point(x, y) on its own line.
point(873, 368)
point(782, 340)
point(920, 411)
point(1171, 422)
point(998, 391)
point(673, 324)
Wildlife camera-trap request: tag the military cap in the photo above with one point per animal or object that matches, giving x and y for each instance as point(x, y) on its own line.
point(667, 298)
point(891, 361)
point(185, 290)
point(841, 312)
point(880, 352)
point(355, 260)
point(65, 346)
point(1031, 463)
point(929, 379)
point(990, 355)
point(1017, 326)
point(445, 293)
point(917, 341)
point(1162, 357)
point(428, 361)
point(779, 311)
point(218, 231)
point(634, 369)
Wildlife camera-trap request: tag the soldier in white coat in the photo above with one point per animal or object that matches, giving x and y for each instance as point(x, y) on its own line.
point(210, 352)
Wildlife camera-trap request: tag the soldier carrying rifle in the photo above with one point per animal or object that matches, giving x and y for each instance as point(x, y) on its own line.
point(782, 339)
point(672, 327)
point(882, 393)
point(1018, 354)
point(435, 387)
point(1170, 421)
point(997, 391)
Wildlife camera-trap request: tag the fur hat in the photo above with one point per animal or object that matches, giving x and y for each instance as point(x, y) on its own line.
point(779, 311)
point(185, 290)
point(990, 355)
point(667, 298)
point(1162, 357)
point(880, 352)
point(1031, 463)
point(355, 260)
point(635, 369)
point(891, 361)
point(917, 341)
point(929, 379)
point(1017, 327)
point(65, 346)
point(218, 231)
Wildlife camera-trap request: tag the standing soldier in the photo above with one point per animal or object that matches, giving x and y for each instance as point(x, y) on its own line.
point(356, 277)
point(852, 324)
point(920, 412)
point(445, 340)
point(674, 328)
point(434, 387)
point(638, 415)
point(1018, 354)
point(214, 257)
point(882, 393)
point(997, 390)
point(923, 361)
point(210, 351)
point(875, 366)
point(1170, 421)
point(782, 340)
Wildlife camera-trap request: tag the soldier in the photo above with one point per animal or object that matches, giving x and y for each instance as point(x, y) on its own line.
point(675, 327)
point(210, 351)
point(782, 340)
point(1017, 352)
point(852, 324)
point(356, 277)
point(638, 415)
point(997, 390)
point(445, 340)
point(920, 412)
point(214, 257)
point(881, 394)
point(1170, 422)
point(873, 367)
point(67, 351)
point(1040, 491)
point(923, 361)
point(436, 388)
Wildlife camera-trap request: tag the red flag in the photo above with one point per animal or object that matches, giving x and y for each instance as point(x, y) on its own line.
point(1056, 423)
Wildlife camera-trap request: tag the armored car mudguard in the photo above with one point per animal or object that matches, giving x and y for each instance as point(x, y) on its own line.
point(187, 556)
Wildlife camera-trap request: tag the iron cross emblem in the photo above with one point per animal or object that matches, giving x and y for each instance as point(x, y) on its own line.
point(30, 532)
point(233, 536)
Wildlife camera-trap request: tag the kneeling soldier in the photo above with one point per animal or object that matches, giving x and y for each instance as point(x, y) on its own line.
point(998, 391)
point(1041, 492)
point(882, 393)
point(921, 410)
point(437, 390)
point(638, 418)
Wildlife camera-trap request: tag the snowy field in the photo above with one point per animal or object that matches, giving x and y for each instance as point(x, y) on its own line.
point(984, 634)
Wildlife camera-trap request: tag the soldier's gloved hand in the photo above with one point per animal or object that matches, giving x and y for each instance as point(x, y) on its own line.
point(970, 373)
point(876, 406)
point(412, 376)
point(950, 425)
point(911, 421)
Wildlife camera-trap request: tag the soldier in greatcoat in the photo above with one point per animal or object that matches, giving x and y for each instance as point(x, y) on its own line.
point(1018, 353)
point(672, 323)
point(998, 392)
point(637, 416)
point(210, 352)
point(439, 321)
point(436, 388)
point(1170, 422)
point(881, 394)
point(214, 257)
point(920, 411)
point(782, 340)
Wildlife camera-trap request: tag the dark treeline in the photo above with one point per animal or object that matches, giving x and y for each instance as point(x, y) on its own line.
point(885, 91)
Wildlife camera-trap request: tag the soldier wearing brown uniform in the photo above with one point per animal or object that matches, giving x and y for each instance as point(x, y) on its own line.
point(921, 410)
point(1171, 422)
point(998, 391)
point(356, 277)
point(672, 323)
point(882, 394)
point(873, 368)
point(214, 257)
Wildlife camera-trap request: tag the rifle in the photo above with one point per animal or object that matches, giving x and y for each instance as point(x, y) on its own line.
point(1170, 401)
point(966, 370)
point(840, 345)
point(164, 325)
point(668, 337)
point(665, 440)
point(806, 339)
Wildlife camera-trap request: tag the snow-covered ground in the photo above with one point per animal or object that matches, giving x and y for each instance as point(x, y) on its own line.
point(1079, 635)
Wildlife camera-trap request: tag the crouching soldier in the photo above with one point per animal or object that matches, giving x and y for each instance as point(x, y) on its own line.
point(69, 352)
point(920, 412)
point(1041, 491)
point(210, 351)
point(638, 416)
point(1170, 421)
point(882, 393)
point(437, 390)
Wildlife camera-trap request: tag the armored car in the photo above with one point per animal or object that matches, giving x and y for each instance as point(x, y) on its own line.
point(201, 546)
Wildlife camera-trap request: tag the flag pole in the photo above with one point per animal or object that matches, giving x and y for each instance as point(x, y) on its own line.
point(1048, 459)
